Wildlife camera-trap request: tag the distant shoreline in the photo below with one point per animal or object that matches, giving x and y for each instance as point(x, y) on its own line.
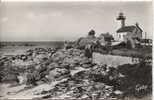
point(31, 43)
point(28, 41)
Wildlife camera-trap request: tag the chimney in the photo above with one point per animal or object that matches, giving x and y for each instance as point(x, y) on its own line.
point(121, 18)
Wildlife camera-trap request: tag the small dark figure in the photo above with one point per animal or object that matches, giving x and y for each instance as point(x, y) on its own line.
point(91, 32)
point(88, 51)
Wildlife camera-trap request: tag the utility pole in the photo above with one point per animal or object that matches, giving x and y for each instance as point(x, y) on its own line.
point(145, 38)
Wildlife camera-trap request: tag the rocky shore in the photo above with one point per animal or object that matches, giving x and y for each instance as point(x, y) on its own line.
point(68, 74)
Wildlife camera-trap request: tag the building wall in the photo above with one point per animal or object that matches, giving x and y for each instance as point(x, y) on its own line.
point(137, 33)
point(124, 35)
point(129, 37)
point(118, 25)
point(121, 36)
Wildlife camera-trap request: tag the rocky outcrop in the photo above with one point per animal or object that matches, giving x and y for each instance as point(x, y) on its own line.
point(61, 74)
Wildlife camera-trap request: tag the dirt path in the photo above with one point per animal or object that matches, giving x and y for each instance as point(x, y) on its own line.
point(20, 92)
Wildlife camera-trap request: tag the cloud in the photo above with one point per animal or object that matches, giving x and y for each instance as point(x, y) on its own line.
point(4, 19)
point(56, 14)
point(32, 15)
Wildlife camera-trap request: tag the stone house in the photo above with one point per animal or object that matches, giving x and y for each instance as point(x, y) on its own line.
point(90, 39)
point(105, 39)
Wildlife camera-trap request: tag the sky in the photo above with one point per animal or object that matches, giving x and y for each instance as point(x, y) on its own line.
point(56, 21)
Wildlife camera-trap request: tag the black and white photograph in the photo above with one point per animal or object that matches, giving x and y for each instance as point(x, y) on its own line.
point(81, 50)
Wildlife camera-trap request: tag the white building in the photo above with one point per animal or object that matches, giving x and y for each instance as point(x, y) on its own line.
point(124, 33)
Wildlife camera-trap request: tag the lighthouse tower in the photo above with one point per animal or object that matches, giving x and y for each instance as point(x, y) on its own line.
point(121, 20)
point(120, 24)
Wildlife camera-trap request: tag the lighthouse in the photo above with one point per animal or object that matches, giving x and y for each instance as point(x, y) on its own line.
point(121, 20)
point(131, 34)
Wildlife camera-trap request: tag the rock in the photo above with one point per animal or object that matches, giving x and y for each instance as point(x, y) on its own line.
point(10, 78)
point(87, 65)
point(54, 65)
point(22, 78)
point(32, 78)
point(48, 65)
point(118, 92)
point(57, 73)
point(85, 97)
point(65, 65)
point(81, 75)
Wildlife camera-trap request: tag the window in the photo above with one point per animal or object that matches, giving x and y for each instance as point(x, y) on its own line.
point(119, 36)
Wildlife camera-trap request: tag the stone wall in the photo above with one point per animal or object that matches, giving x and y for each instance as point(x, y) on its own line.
point(113, 60)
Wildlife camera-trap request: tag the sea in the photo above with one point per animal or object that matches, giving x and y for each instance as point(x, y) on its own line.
point(14, 48)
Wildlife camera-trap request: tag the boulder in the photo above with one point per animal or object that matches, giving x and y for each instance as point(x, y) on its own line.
point(10, 78)
point(57, 73)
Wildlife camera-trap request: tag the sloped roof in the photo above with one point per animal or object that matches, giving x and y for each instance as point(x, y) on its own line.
point(86, 40)
point(107, 36)
point(126, 29)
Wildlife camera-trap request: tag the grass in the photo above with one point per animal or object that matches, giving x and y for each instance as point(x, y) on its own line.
point(136, 52)
point(148, 97)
